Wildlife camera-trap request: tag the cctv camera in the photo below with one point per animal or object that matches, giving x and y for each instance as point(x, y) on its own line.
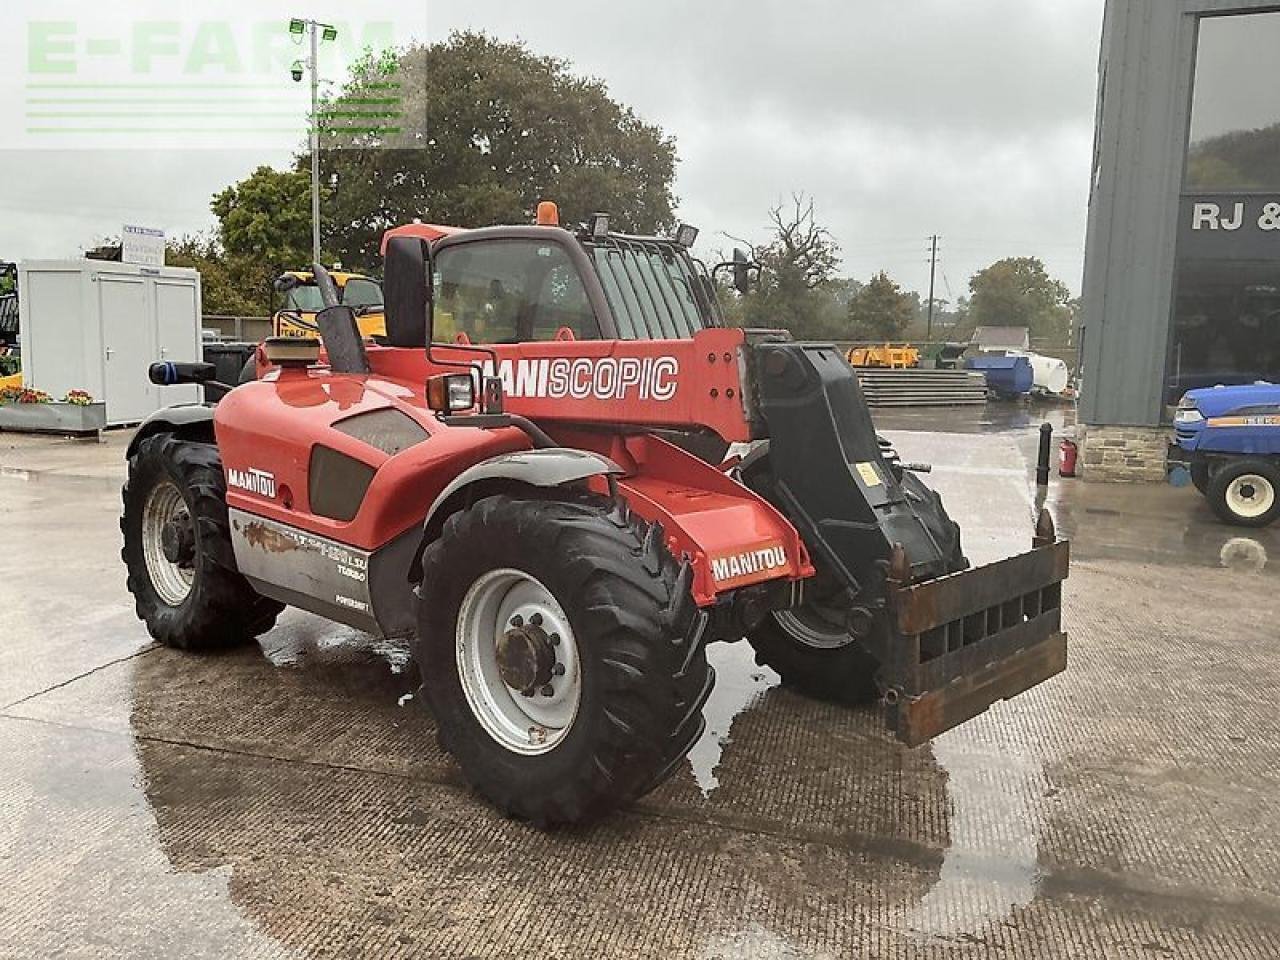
point(297, 73)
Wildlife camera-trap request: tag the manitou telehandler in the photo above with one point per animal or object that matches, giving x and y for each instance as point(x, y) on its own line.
point(543, 508)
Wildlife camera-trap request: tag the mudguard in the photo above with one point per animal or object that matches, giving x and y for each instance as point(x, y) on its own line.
point(551, 467)
point(193, 420)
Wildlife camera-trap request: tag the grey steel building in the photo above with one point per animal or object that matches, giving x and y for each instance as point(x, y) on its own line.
point(1182, 270)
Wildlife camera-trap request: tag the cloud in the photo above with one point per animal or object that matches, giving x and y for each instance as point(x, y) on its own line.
point(901, 117)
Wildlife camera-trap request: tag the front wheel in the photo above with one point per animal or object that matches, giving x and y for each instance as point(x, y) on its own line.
point(177, 549)
point(1246, 492)
point(813, 651)
point(558, 653)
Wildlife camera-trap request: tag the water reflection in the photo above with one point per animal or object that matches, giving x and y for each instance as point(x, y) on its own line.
point(992, 865)
point(741, 685)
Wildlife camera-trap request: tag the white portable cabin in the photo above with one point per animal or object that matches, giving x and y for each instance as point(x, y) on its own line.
point(96, 325)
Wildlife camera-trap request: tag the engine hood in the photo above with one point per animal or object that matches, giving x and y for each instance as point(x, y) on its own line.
point(1222, 401)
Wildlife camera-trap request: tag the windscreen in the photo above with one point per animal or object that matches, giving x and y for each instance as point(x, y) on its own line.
point(360, 292)
point(652, 289)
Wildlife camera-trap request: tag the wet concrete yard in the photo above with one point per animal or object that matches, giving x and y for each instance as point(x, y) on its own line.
point(290, 800)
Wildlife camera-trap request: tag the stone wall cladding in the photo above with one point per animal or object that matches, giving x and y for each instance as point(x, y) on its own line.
point(1123, 454)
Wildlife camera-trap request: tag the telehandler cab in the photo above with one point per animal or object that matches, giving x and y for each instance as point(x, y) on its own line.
point(542, 506)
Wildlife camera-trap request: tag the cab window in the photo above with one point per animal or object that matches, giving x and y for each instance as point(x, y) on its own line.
point(509, 291)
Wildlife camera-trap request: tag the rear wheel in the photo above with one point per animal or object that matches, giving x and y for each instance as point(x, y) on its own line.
point(1246, 492)
point(177, 548)
point(559, 655)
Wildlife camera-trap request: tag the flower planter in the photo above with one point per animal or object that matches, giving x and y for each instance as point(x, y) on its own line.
point(53, 417)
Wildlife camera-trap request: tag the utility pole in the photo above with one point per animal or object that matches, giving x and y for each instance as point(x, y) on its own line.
point(318, 32)
point(933, 272)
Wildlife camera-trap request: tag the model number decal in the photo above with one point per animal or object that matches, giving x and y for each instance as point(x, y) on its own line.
point(253, 480)
point(1256, 420)
point(748, 563)
point(606, 378)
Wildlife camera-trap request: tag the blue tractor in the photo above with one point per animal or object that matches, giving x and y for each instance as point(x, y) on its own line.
point(1229, 438)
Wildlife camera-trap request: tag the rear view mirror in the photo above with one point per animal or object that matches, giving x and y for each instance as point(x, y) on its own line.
point(286, 282)
point(743, 267)
point(741, 271)
point(407, 292)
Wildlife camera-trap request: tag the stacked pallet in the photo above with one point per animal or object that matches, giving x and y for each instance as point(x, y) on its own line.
point(922, 388)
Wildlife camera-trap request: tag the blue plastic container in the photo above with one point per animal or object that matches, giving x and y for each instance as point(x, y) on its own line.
point(1006, 376)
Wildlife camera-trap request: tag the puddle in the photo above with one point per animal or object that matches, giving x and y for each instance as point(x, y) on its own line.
point(741, 685)
point(995, 794)
point(1243, 554)
point(312, 641)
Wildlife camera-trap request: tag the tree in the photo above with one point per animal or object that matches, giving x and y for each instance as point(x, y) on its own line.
point(231, 286)
point(1018, 292)
point(798, 289)
point(264, 221)
point(881, 310)
point(480, 132)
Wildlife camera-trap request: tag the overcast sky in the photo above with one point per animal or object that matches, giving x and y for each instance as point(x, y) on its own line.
point(901, 118)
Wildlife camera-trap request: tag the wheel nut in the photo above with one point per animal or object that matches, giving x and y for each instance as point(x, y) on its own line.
point(536, 619)
point(558, 670)
point(548, 691)
point(517, 621)
point(554, 639)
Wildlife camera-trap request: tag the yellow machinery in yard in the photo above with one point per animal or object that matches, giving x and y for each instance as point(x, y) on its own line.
point(303, 301)
point(886, 356)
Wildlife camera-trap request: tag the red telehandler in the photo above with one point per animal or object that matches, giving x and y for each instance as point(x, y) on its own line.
point(537, 498)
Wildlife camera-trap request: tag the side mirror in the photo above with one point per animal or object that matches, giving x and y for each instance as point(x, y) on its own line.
point(743, 267)
point(407, 292)
point(741, 271)
point(286, 282)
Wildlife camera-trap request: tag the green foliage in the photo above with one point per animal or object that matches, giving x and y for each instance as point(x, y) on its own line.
point(233, 286)
point(265, 220)
point(8, 278)
point(10, 363)
point(484, 130)
point(881, 311)
point(1241, 160)
point(1018, 292)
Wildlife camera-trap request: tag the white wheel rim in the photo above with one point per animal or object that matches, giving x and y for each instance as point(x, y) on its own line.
point(1250, 496)
point(171, 582)
point(528, 725)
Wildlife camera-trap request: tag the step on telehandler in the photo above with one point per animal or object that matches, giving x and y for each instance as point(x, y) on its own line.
point(543, 508)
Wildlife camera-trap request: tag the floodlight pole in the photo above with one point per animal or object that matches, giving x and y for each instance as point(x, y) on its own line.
point(297, 26)
point(315, 141)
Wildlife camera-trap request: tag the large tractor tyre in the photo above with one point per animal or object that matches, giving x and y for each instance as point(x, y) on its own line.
point(1246, 492)
point(560, 655)
point(810, 647)
point(1200, 477)
point(177, 548)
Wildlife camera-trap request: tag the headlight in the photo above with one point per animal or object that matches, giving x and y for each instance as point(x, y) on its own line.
point(1188, 415)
